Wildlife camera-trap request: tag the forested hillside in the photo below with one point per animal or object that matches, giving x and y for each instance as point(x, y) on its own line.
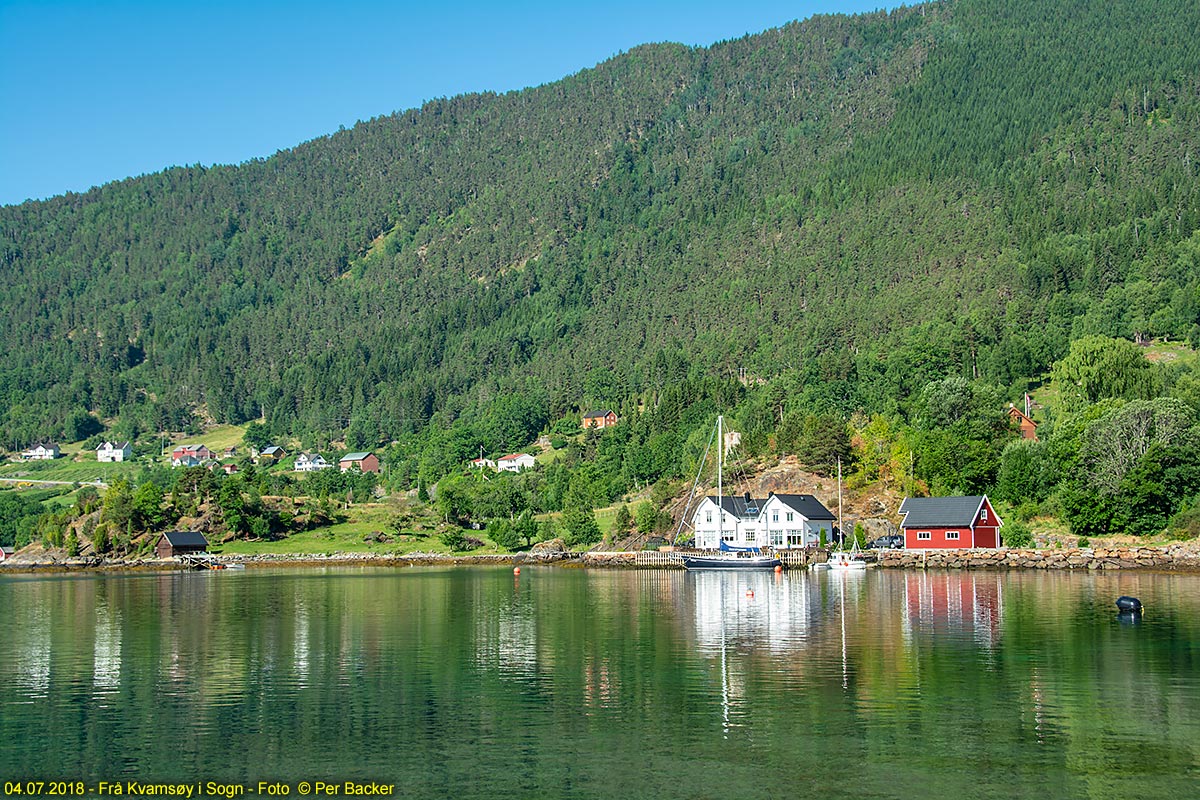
point(857, 206)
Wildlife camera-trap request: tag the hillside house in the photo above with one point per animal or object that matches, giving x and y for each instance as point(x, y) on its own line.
point(6, 553)
point(42, 451)
point(310, 462)
point(781, 521)
point(481, 462)
point(177, 543)
point(190, 455)
point(110, 453)
point(229, 452)
point(599, 419)
point(515, 462)
point(272, 453)
point(366, 462)
point(949, 523)
point(229, 469)
point(1023, 422)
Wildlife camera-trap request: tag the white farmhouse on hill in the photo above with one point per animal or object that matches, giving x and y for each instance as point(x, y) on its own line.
point(109, 452)
point(515, 462)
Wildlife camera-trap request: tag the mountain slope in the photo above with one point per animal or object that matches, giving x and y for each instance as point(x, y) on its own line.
point(870, 202)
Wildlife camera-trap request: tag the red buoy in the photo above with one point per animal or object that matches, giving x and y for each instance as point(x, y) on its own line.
point(516, 570)
point(778, 568)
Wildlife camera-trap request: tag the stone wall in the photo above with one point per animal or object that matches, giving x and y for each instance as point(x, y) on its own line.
point(1169, 557)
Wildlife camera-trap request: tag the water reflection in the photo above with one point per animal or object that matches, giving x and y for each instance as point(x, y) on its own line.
point(555, 683)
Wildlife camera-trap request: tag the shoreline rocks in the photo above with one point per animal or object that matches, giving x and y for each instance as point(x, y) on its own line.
point(1172, 557)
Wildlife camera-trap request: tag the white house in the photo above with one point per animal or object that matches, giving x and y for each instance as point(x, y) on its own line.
point(734, 522)
point(781, 521)
point(515, 462)
point(481, 462)
point(311, 462)
point(110, 452)
point(795, 520)
point(42, 451)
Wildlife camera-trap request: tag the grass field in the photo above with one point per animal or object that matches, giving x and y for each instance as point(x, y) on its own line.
point(217, 438)
point(347, 537)
point(67, 469)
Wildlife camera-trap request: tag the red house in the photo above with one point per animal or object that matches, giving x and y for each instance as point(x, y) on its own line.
point(197, 451)
point(367, 462)
point(949, 523)
point(1025, 425)
point(599, 419)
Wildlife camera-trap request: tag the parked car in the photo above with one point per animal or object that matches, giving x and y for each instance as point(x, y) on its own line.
point(892, 541)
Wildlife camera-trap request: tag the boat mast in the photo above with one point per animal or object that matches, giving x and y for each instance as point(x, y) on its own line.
point(720, 501)
point(841, 531)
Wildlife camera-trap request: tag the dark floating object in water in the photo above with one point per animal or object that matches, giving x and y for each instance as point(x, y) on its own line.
point(1129, 617)
point(1129, 605)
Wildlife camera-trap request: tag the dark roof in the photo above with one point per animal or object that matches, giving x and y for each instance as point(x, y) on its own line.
point(604, 412)
point(808, 506)
point(737, 505)
point(353, 457)
point(932, 512)
point(186, 538)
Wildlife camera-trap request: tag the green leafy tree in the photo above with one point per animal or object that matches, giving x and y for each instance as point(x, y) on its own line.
point(1098, 367)
point(147, 512)
point(580, 528)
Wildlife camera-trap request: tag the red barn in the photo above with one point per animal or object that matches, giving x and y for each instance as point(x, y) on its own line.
point(949, 523)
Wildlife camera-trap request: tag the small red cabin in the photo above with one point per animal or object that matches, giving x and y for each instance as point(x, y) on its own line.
point(949, 523)
point(599, 419)
point(1024, 424)
point(178, 543)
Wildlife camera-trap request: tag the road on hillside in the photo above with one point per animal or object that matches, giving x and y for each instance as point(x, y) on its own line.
point(96, 482)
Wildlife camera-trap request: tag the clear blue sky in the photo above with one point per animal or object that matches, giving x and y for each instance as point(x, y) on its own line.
point(97, 91)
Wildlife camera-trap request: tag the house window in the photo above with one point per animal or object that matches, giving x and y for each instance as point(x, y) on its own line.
point(708, 517)
point(789, 516)
point(983, 514)
point(777, 538)
point(750, 536)
point(922, 535)
point(951, 534)
point(774, 516)
point(795, 539)
point(727, 537)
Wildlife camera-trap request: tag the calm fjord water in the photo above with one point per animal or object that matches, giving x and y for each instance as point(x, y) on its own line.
point(571, 683)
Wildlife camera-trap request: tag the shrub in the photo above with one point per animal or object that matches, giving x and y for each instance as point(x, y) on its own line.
point(1185, 524)
point(1016, 534)
point(1084, 542)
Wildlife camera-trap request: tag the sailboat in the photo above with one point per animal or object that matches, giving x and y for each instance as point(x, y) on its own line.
point(727, 556)
point(842, 559)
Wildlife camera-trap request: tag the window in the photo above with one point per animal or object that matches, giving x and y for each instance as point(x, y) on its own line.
point(777, 538)
point(923, 535)
point(774, 516)
point(951, 534)
point(795, 539)
point(727, 537)
point(708, 517)
point(983, 515)
point(750, 536)
point(789, 516)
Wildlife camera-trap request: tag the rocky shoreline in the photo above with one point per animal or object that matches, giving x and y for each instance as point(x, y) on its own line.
point(1180, 557)
point(1183, 557)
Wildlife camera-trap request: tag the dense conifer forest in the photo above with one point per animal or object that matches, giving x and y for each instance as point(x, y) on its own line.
point(888, 225)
